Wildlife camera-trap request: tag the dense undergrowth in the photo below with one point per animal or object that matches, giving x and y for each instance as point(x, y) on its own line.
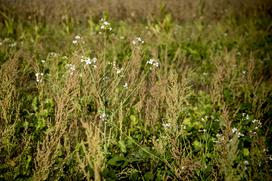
point(161, 99)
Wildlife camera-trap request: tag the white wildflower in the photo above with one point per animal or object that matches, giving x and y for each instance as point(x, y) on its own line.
point(153, 62)
point(137, 41)
point(77, 37)
point(105, 78)
point(247, 117)
point(166, 125)
point(125, 85)
point(118, 71)
point(240, 134)
point(246, 162)
point(71, 68)
point(52, 54)
point(39, 77)
point(234, 130)
point(88, 61)
point(94, 60)
point(105, 25)
point(257, 122)
point(103, 116)
point(13, 44)
point(82, 60)
point(156, 64)
point(219, 137)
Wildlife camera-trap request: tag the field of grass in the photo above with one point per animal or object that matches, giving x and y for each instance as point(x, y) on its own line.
point(126, 92)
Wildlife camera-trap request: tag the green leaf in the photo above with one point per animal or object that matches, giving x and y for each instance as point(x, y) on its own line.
point(122, 146)
point(133, 120)
point(35, 104)
point(149, 176)
point(187, 122)
point(116, 161)
point(40, 124)
point(197, 125)
point(197, 145)
point(246, 152)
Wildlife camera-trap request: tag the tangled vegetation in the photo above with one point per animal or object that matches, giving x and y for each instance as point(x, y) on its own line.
point(101, 96)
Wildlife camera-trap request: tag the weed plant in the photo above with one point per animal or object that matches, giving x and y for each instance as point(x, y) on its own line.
point(109, 98)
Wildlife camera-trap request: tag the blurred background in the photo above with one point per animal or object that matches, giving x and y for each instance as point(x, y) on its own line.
point(78, 11)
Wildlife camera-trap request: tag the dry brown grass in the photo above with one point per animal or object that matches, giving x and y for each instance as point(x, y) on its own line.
point(132, 10)
point(75, 137)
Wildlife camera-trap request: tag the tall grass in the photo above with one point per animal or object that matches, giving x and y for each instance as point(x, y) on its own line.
point(87, 94)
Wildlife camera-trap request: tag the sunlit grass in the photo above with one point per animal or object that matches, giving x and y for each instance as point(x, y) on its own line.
point(156, 100)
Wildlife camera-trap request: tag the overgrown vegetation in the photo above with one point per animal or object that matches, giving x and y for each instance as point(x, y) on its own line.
point(159, 97)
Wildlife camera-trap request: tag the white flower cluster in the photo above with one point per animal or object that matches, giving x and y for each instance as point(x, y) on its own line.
point(257, 123)
point(8, 42)
point(220, 138)
point(89, 61)
point(105, 25)
point(137, 41)
point(246, 116)
point(14, 44)
point(269, 157)
point(71, 68)
point(202, 130)
point(39, 77)
point(153, 62)
point(103, 116)
point(125, 85)
point(166, 125)
point(52, 54)
point(246, 163)
point(117, 69)
point(76, 39)
point(235, 131)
